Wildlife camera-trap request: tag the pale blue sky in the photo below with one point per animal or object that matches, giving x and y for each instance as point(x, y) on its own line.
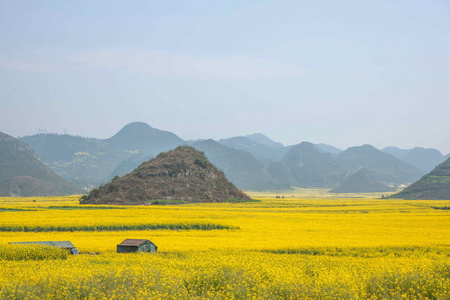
point(344, 72)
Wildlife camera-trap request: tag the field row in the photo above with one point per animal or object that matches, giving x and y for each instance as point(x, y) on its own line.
point(283, 249)
point(228, 275)
point(118, 227)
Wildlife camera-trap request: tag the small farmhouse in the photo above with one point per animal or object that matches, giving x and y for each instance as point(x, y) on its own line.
point(136, 245)
point(61, 244)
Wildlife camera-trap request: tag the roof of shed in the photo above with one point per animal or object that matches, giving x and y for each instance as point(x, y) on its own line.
point(133, 242)
point(62, 244)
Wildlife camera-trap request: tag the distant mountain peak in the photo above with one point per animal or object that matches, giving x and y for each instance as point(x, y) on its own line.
point(264, 140)
point(325, 148)
point(305, 145)
point(137, 124)
point(133, 128)
point(140, 135)
point(367, 147)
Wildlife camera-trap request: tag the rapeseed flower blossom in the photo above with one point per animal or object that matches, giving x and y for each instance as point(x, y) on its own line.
point(272, 249)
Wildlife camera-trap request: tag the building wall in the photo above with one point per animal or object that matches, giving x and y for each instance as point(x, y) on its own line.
point(126, 249)
point(147, 247)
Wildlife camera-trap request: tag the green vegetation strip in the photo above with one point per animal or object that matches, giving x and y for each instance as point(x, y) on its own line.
point(368, 252)
point(116, 227)
point(239, 200)
point(441, 207)
point(175, 202)
point(2, 209)
point(437, 179)
point(78, 207)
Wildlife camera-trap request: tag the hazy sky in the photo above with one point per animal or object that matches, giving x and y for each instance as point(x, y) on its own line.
point(345, 73)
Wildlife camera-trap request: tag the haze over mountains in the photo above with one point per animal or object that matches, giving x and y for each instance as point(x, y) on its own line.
point(87, 162)
point(385, 167)
point(362, 181)
point(422, 158)
point(252, 162)
point(143, 138)
point(240, 166)
point(22, 174)
point(307, 166)
point(433, 186)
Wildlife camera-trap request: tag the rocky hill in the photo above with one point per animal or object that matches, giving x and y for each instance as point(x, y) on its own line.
point(129, 164)
point(239, 166)
point(433, 186)
point(362, 181)
point(22, 174)
point(183, 174)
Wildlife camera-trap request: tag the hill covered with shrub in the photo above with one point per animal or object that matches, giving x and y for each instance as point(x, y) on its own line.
point(434, 185)
point(182, 175)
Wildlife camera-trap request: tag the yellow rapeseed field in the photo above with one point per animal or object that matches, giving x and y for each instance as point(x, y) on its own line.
point(272, 248)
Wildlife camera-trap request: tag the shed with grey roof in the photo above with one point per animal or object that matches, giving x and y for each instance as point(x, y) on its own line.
point(136, 245)
point(61, 244)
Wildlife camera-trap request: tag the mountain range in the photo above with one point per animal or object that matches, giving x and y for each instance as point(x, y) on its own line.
point(87, 163)
point(240, 167)
point(435, 185)
point(386, 167)
point(22, 174)
point(362, 181)
point(306, 166)
point(422, 158)
point(252, 162)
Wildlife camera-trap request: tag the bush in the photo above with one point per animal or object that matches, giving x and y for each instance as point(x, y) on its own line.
point(18, 252)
